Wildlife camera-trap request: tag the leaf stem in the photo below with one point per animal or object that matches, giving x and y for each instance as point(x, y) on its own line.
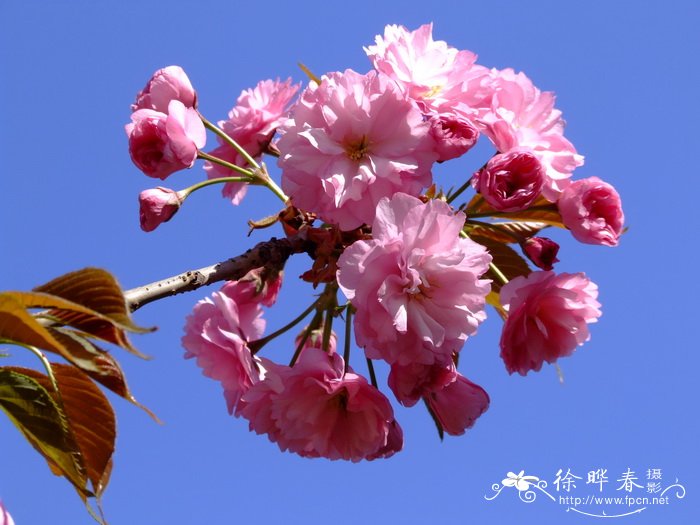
point(225, 164)
point(220, 180)
point(226, 138)
point(372, 375)
point(348, 337)
point(42, 358)
point(459, 191)
point(501, 277)
point(256, 346)
point(312, 326)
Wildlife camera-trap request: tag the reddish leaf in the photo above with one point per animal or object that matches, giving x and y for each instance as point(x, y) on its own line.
point(90, 420)
point(25, 397)
point(505, 232)
point(507, 260)
point(541, 211)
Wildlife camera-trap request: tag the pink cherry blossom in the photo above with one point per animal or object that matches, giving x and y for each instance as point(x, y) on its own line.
point(167, 84)
point(416, 285)
point(453, 136)
point(455, 401)
point(438, 77)
point(5, 518)
point(157, 206)
point(217, 333)
point(350, 141)
point(548, 317)
point(161, 144)
point(510, 181)
point(316, 410)
point(523, 116)
point(412, 381)
point(251, 123)
point(541, 251)
point(592, 210)
point(458, 405)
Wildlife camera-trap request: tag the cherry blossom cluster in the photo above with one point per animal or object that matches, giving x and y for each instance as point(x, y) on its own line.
point(356, 153)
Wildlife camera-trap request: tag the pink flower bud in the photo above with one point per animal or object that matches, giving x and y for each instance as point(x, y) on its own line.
point(315, 340)
point(592, 210)
point(541, 251)
point(167, 84)
point(158, 205)
point(510, 181)
point(161, 144)
point(453, 136)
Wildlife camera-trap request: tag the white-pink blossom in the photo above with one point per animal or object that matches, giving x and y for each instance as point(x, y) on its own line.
point(437, 76)
point(416, 284)
point(351, 141)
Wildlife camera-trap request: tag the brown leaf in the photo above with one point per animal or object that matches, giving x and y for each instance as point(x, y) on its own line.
point(89, 416)
point(507, 260)
point(16, 324)
point(540, 211)
point(505, 232)
point(26, 399)
point(107, 315)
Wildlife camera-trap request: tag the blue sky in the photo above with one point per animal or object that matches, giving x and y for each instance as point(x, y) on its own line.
point(626, 78)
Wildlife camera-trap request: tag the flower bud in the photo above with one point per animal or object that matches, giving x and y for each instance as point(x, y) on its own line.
point(315, 340)
point(158, 205)
point(161, 144)
point(510, 181)
point(592, 210)
point(541, 251)
point(453, 136)
point(167, 84)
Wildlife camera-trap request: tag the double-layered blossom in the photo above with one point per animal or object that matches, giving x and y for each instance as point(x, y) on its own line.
point(438, 77)
point(316, 409)
point(548, 317)
point(510, 181)
point(455, 401)
point(351, 141)
point(251, 123)
point(161, 144)
point(453, 135)
point(416, 284)
point(217, 335)
point(167, 84)
point(592, 210)
point(158, 205)
point(523, 116)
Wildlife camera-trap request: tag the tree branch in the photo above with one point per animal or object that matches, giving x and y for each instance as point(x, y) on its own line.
point(274, 252)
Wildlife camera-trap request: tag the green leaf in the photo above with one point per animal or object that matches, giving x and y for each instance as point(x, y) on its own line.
point(89, 416)
point(34, 411)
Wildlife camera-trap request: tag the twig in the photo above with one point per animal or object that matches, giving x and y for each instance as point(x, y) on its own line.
point(274, 252)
